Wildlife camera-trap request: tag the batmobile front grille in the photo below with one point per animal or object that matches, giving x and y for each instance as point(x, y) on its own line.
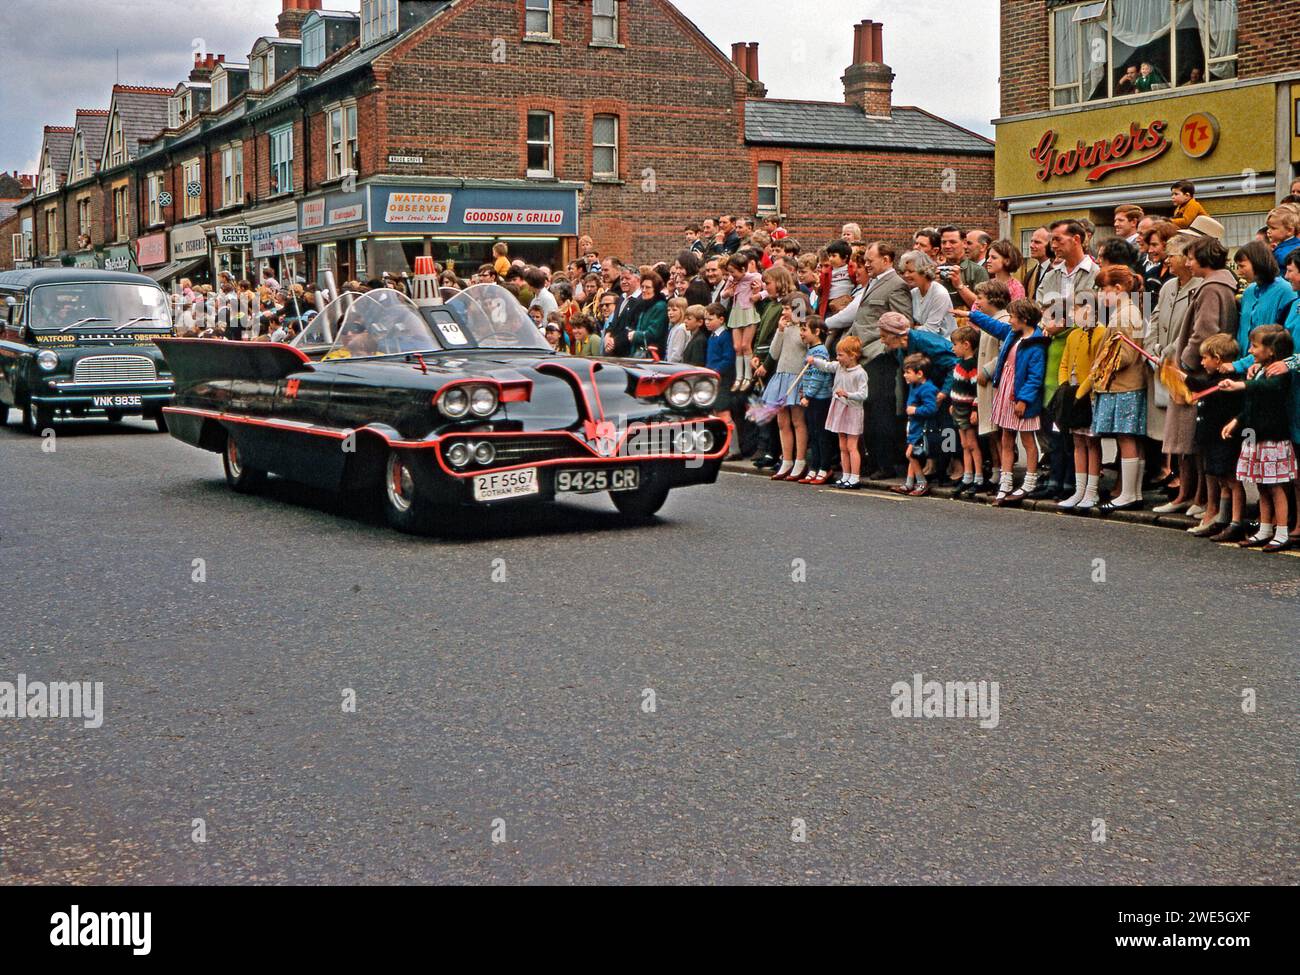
point(527, 450)
point(114, 369)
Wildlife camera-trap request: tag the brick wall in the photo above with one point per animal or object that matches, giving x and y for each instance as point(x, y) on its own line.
point(8, 228)
point(1023, 63)
point(1268, 34)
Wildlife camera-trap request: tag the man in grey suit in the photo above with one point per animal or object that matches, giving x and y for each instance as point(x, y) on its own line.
point(886, 291)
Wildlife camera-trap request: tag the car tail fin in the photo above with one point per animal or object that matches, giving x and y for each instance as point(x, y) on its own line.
point(201, 360)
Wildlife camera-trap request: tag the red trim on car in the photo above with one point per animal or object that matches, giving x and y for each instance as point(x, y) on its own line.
point(597, 414)
point(652, 387)
point(509, 391)
point(290, 426)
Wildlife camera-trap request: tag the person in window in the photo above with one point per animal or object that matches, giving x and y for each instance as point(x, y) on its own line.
point(1194, 77)
point(1127, 83)
point(1149, 78)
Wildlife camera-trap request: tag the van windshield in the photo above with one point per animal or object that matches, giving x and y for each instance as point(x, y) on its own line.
point(98, 306)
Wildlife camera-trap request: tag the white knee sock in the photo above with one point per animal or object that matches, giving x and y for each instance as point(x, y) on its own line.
point(1129, 491)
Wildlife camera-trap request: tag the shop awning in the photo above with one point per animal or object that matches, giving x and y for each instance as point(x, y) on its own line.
point(176, 269)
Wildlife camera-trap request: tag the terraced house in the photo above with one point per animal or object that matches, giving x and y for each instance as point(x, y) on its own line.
point(354, 141)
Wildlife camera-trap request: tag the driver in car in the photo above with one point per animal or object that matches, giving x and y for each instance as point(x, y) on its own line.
point(356, 341)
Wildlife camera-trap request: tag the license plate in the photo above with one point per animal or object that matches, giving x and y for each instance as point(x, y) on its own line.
point(114, 401)
point(505, 484)
point(588, 481)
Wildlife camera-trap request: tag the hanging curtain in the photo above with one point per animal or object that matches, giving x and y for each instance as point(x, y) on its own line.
point(1217, 20)
point(1136, 23)
point(1066, 71)
point(1094, 46)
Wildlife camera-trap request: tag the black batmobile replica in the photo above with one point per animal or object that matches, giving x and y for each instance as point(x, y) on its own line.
point(444, 406)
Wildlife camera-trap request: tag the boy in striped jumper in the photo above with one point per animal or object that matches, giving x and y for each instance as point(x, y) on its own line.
point(965, 415)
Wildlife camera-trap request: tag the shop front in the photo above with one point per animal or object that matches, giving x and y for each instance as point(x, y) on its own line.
point(118, 257)
point(189, 257)
point(383, 226)
point(276, 246)
point(231, 244)
point(1085, 162)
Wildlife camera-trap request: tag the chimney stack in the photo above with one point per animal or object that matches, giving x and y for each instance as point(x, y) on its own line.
point(868, 82)
point(744, 55)
point(294, 12)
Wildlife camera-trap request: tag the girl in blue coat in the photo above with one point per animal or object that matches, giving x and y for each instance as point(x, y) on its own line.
point(1018, 390)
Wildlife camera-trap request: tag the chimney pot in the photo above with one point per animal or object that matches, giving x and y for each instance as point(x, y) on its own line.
point(878, 43)
point(753, 61)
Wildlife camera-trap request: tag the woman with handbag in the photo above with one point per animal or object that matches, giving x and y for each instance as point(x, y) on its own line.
point(1167, 338)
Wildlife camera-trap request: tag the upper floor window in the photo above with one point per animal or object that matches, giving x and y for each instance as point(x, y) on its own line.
point(769, 187)
point(281, 155)
point(174, 112)
point(116, 144)
point(604, 146)
point(313, 41)
point(220, 90)
point(341, 122)
point(51, 231)
point(49, 179)
point(378, 19)
point(193, 188)
point(232, 175)
point(84, 220)
point(121, 213)
point(541, 145)
point(604, 21)
point(154, 186)
point(1113, 48)
point(537, 18)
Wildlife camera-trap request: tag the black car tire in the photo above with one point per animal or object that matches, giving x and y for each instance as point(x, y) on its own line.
point(37, 419)
point(406, 506)
point(159, 420)
point(240, 476)
point(641, 504)
point(4, 415)
point(113, 416)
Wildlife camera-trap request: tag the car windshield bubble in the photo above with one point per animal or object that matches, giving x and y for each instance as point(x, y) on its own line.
point(324, 328)
point(381, 322)
point(490, 317)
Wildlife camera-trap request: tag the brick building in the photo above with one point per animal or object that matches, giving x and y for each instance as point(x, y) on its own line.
point(1111, 102)
point(354, 142)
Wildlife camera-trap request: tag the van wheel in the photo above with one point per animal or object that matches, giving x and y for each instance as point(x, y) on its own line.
point(406, 505)
point(239, 476)
point(4, 415)
point(159, 421)
point(113, 417)
point(36, 419)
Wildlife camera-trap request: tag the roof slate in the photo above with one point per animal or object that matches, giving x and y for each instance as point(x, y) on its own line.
point(143, 112)
point(835, 125)
point(92, 125)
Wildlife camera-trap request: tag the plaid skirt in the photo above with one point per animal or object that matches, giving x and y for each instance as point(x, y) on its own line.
point(1267, 462)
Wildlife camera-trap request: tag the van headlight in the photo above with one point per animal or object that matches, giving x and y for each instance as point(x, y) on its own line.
point(705, 391)
point(48, 361)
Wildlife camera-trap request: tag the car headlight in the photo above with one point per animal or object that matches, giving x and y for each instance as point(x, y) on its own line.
point(454, 403)
point(458, 454)
point(48, 361)
point(679, 394)
point(684, 442)
point(485, 453)
point(483, 401)
point(705, 391)
point(704, 441)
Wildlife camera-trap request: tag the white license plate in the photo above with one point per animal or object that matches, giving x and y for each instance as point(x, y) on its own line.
point(505, 484)
point(586, 481)
point(113, 401)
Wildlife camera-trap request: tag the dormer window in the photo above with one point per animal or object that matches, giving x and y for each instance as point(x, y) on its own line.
point(261, 70)
point(175, 114)
point(378, 20)
point(49, 182)
point(313, 41)
point(220, 90)
point(116, 144)
point(79, 169)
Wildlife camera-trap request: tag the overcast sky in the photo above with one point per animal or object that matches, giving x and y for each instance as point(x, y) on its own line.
point(61, 55)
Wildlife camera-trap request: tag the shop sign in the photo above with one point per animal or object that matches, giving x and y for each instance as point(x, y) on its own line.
point(418, 207)
point(280, 238)
point(1136, 147)
point(189, 243)
point(151, 250)
point(84, 260)
point(313, 214)
point(348, 214)
point(408, 160)
point(1199, 135)
point(117, 259)
point(514, 218)
point(235, 235)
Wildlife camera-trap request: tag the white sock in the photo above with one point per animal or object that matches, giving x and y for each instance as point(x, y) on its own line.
point(1281, 533)
point(853, 479)
point(1005, 482)
point(740, 367)
point(1265, 532)
point(1128, 470)
point(1030, 483)
point(784, 468)
point(1092, 489)
point(1080, 486)
point(799, 467)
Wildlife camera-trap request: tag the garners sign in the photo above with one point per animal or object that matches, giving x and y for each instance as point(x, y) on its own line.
point(1139, 145)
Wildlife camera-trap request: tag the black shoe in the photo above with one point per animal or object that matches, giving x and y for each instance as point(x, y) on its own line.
point(765, 462)
point(1110, 506)
point(1048, 490)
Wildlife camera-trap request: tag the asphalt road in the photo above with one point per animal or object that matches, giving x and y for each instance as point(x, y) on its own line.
point(499, 680)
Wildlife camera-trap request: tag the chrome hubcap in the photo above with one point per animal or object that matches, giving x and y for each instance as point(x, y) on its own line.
point(400, 485)
point(232, 457)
